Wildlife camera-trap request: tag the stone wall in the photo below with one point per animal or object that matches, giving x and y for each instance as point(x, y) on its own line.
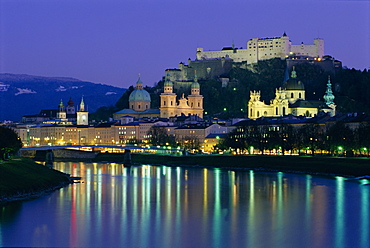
point(58, 153)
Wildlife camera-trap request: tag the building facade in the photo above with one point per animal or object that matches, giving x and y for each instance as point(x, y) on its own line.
point(290, 99)
point(192, 105)
point(265, 48)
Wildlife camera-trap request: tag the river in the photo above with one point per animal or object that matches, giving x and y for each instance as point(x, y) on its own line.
point(161, 206)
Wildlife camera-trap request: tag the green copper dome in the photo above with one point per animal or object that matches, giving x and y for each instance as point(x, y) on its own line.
point(168, 83)
point(139, 94)
point(195, 85)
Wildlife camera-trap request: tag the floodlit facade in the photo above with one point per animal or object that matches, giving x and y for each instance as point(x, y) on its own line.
point(192, 105)
point(289, 99)
point(265, 48)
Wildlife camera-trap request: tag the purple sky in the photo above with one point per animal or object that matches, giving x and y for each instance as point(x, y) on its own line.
point(111, 42)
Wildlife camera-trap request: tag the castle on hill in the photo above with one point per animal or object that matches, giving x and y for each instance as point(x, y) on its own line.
point(217, 64)
point(265, 48)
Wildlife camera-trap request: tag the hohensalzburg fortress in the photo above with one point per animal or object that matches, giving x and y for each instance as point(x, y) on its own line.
point(265, 48)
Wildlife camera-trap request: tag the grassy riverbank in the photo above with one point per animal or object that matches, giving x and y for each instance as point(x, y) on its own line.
point(22, 178)
point(313, 165)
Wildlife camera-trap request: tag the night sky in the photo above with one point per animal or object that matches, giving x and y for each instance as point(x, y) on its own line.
point(111, 42)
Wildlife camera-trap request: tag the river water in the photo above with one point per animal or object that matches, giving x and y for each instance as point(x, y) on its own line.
point(161, 206)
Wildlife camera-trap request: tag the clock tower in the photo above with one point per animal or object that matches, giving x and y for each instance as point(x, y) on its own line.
point(82, 115)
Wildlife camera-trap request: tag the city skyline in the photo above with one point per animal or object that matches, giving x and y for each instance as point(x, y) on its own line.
point(111, 42)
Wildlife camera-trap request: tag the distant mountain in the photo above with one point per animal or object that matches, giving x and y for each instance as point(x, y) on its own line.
point(26, 95)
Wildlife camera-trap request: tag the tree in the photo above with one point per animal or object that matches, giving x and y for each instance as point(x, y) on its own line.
point(103, 113)
point(311, 137)
point(340, 137)
point(9, 142)
point(189, 142)
point(362, 135)
point(159, 136)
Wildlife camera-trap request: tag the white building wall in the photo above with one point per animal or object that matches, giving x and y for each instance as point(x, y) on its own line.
point(265, 48)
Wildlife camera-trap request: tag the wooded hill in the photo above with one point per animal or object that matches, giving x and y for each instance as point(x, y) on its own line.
point(351, 88)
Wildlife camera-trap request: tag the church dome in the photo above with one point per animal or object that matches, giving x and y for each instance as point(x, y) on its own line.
point(168, 83)
point(293, 83)
point(139, 94)
point(195, 85)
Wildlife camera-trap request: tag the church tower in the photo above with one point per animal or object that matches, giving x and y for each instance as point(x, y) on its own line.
point(82, 115)
point(61, 115)
point(168, 100)
point(196, 99)
point(329, 98)
point(70, 109)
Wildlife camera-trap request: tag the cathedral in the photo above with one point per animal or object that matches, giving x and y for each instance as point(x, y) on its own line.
point(290, 99)
point(139, 104)
point(192, 105)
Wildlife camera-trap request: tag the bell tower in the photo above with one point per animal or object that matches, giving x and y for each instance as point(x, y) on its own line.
point(61, 111)
point(196, 99)
point(168, 100)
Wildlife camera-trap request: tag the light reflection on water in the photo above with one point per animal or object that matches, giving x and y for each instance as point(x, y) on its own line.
point(160, 206)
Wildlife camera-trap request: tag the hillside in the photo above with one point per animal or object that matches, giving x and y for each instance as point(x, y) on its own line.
point(25, 94)
point(351, 88)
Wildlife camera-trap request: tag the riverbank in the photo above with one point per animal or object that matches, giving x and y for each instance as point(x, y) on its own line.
point(351, 167)
point(22, 178)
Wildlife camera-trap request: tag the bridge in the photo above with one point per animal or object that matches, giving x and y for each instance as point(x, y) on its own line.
point(90, 151)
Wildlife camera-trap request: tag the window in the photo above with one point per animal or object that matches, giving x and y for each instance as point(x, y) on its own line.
point(164, 103)
point(300, 95)
point(171, 103)
point(277, 111)
point(291, 95)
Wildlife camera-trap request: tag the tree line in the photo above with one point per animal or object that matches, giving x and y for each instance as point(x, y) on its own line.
point(311, 138)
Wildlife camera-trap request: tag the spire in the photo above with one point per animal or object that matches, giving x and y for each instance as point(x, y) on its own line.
point(329, 97)
point(233, 45)
point(294, 73)
point(82, 105)
point(61, 105)
point(284, 34)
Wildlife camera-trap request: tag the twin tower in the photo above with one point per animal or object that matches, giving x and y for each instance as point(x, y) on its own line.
point(192, 105)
